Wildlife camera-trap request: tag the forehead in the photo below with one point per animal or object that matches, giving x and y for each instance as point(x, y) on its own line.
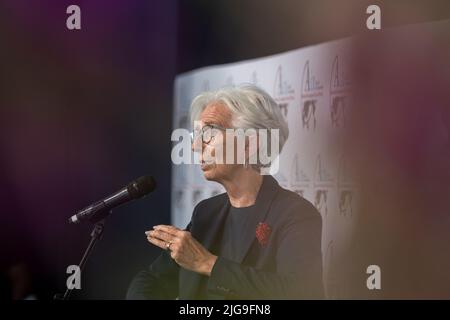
point(216, 113)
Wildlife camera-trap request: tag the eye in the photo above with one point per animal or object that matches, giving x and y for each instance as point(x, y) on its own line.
point(207, 134)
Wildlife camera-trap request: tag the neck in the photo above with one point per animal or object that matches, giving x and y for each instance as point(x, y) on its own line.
point(243, 188)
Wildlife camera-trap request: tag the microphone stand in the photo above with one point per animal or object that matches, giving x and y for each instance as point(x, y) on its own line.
point(96, 235)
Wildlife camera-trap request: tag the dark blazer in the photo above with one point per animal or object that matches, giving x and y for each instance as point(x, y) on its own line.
point(288, 266)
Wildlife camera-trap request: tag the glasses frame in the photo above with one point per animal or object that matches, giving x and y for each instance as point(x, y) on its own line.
point(203, 129)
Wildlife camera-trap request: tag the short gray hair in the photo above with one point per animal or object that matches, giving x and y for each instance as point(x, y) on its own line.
point(251, 108)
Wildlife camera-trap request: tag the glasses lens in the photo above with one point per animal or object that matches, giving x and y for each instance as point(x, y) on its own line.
point(207, 134)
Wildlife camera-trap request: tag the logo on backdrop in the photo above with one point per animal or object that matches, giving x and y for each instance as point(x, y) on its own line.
point(323, 183)
point(345, 203)
point(346, 187)
point(321, 201)
point(311, 89)
point(299, 179)
point(283, 93)
point(339, 95)
point(322, 174)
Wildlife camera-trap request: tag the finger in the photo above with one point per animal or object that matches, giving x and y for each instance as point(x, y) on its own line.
point(157, 242)
point(161, 235)
point(169, 229)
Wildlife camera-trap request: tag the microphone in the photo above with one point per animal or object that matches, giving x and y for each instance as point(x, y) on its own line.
point(99, 210)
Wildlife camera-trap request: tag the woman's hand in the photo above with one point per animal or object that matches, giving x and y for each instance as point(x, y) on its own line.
point(184, 249)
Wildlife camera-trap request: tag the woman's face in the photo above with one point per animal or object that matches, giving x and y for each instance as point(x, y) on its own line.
point(219, 115)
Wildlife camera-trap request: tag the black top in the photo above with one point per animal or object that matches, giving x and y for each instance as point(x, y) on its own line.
point(232, 239)
point(235, 228)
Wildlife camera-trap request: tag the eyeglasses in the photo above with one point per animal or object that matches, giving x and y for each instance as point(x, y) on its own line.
point(207, 133)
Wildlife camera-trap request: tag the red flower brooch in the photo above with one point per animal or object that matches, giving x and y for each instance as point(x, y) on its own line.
point(263, 233)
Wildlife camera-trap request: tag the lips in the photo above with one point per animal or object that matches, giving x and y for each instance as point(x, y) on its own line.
point(204, 165)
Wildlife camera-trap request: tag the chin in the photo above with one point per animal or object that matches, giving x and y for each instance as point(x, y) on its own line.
point(209, 175)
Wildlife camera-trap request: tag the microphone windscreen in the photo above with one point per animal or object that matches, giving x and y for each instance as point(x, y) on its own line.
point(141, 187)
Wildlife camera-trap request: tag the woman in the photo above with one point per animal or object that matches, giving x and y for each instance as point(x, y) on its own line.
point(257, 240)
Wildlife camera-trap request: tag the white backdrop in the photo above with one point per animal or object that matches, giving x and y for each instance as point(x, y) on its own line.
point(312, 87)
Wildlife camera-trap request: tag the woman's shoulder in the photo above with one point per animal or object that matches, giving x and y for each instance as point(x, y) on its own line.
point(214, 201)
point(291, 203)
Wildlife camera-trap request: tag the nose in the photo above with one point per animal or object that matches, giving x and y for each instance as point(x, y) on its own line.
point(196, 144)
